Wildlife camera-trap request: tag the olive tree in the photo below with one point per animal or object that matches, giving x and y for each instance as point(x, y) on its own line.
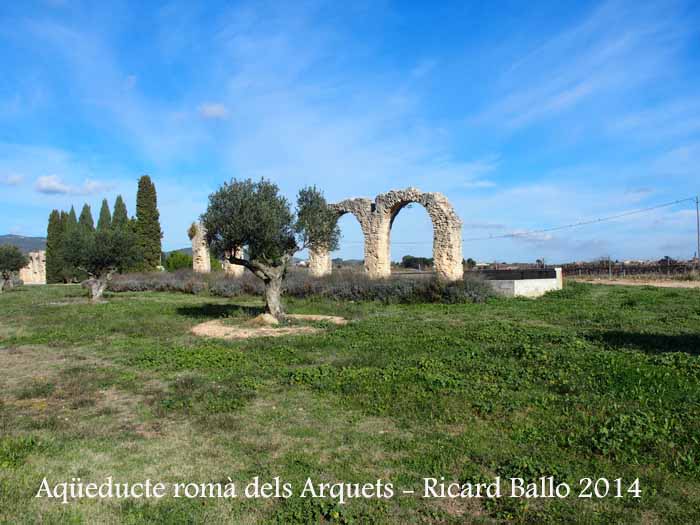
point(100, 254)
point(11, 260)
point(255, 217)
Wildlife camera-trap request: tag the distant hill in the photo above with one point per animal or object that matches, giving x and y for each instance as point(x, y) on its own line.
point(187, 251)
point(25, 244)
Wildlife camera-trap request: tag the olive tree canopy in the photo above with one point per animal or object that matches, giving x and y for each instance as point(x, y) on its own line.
point(100, 254)
point(11, 260)
point(254, 216)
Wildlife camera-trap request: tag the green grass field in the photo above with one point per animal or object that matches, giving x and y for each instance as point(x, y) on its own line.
point(592, 381)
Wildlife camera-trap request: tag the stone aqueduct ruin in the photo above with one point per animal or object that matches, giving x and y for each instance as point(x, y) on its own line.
point(201, 258)
point(376, 218)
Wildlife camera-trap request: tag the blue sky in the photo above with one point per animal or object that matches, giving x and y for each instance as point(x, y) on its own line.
point(525, 114)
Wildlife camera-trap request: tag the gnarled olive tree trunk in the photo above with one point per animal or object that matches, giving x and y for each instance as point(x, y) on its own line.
point(96, 285)
point(6, 281)
point(273, 296)
point(273, 277)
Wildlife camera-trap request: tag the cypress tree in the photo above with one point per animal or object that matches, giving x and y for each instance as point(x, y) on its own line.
point(120, 218)
point(86, 218)
point(105, 220)
point(148, 223)
point(68, 272)
point(71, 219)
point(54, 235)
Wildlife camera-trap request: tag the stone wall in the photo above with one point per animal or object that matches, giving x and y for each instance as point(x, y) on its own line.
point(35, 271)
point(376, 218)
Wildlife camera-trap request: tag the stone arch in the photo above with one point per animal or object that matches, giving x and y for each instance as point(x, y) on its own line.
point(320, 262)
point(447, 228)
point(376, 218)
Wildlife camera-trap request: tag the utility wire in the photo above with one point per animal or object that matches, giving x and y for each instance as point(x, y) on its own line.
point(581, 223)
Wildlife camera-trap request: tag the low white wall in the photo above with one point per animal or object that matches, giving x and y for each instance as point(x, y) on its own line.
point(527, 287)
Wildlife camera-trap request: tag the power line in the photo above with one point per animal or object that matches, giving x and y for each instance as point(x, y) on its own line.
point(581, 223)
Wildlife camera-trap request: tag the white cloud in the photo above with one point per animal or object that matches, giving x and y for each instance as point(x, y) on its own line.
point(11, 179)
point(91, 187)
point(53, 185)
point(213, 110)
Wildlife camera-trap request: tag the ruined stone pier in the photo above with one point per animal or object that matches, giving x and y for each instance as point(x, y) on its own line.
point(201, 260)
point(201, 256)
point(35, 271)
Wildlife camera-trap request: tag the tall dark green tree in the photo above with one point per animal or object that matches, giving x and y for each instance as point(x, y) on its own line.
point(71, 219)
point(148, 223)
point(105, 220)
point(69, 273)
point(85, 219)
point(54, 247)
point(120, 218)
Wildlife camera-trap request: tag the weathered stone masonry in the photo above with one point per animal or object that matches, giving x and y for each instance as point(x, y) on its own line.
point(201, 260)
point(376, 218)
point(35, 271)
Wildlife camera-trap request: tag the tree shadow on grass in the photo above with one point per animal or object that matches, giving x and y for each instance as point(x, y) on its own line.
point(649, 343)
point(216, 311)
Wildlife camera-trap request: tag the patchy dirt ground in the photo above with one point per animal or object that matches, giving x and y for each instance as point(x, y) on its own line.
point(220, 330)
point(660, 283)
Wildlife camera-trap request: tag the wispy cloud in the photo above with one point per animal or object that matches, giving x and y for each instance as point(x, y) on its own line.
point(423, 68)
point(614, 49)
point(660, 124)
point(475, 184)
point(54, 185)
point(681, 161)
point(110, 93)
point(213, 110)
point(477, 225)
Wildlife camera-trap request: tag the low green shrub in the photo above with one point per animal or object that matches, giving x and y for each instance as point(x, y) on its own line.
point(185, 281)
point(178, 261)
